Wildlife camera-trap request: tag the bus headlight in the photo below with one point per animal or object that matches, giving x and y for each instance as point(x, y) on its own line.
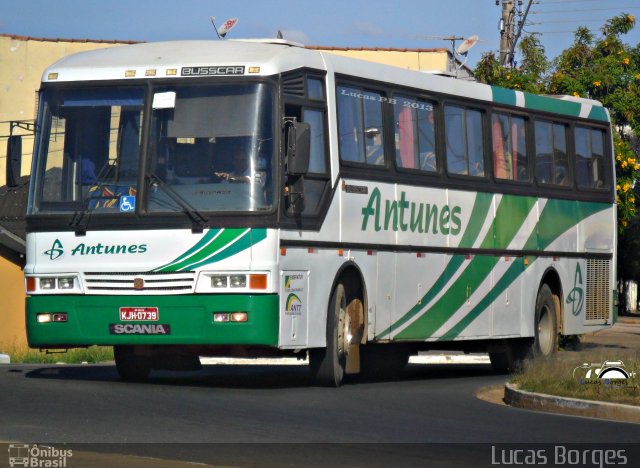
point(65, 283)
point(47, 283)
point(219, 281)
point(52, 284)
point(238, 281)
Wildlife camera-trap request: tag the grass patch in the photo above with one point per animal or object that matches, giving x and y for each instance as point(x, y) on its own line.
point(556, 376)
point(26, 355)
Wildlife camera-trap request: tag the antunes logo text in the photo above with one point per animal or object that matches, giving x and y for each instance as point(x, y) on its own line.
point(405, 215)
point(57, 249)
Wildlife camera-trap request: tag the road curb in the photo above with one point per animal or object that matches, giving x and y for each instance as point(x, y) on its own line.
point(513, 396)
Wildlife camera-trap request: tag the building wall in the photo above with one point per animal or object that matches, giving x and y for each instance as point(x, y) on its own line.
point(12, 329)
point(22, 62)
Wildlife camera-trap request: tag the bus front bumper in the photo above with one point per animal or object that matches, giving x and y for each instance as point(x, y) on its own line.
point(150, 320)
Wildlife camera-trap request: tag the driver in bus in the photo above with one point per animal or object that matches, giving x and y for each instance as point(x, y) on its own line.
point(240, 171)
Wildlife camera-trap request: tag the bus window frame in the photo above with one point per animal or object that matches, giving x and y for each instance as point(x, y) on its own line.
point(569, 148)
point(367, 86)
point(484, 110)
point(529, 143)
point(609, 152)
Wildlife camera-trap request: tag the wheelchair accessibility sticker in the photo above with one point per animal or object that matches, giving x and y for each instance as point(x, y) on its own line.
point(127, 203)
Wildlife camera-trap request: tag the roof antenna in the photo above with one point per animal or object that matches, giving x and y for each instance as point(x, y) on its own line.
point(225, 28)
point(279, 35)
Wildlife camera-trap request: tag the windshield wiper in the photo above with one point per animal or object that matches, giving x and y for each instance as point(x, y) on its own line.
point(78, 215)
point(199, 221)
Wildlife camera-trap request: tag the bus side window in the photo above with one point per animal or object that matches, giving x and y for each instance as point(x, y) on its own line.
point(590, 158)
point(317, 159)
point(552, 166)
point(464, 141)
point(360, 126)
point(415, 134)
point(509, 147)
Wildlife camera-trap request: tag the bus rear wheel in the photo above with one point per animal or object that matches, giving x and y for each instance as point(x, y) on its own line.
point(131, 366)
point(545, 341)
point(542, 345)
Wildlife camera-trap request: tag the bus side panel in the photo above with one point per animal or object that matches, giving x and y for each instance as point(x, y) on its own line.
point(506, 309)
point(294, 305)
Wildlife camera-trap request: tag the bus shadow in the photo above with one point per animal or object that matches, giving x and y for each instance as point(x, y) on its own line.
point(252, 376)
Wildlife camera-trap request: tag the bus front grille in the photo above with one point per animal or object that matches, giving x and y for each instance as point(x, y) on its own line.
point(140, 283)
point(598, 290)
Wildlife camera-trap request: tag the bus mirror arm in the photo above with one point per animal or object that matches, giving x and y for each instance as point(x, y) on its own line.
point(14, 160)
point(294, 192)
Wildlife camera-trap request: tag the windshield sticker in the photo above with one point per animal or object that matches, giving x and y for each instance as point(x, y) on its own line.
point(127, 203)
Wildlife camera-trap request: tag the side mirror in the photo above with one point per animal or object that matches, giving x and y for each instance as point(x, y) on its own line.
point(298, 137)
point(14, 160)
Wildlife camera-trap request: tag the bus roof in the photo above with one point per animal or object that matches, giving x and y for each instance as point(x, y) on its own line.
point(273, 56)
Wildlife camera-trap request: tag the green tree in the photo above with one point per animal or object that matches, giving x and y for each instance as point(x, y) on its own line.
point(528, 76)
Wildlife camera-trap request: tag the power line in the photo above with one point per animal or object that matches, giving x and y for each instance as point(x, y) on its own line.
point(544, 2)
point(567, 21)
point(581, 10)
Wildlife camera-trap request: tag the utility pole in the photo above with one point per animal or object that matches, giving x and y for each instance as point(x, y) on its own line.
point(507, 34)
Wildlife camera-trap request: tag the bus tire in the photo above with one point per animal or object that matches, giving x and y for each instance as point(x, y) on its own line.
point(131, 366)
point(545, 341)
point(327, 365)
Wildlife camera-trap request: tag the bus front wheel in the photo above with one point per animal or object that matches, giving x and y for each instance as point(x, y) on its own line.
point(130, 365)
point(344, 332)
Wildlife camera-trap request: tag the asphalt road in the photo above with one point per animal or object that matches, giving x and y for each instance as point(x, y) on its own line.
point(279, 405)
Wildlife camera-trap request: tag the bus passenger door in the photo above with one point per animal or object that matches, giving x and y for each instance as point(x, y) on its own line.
point(294, 296)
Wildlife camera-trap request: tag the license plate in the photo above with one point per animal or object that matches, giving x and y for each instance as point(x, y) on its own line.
point(139, 314)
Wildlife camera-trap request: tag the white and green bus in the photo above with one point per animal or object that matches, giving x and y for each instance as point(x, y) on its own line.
point(257, 198)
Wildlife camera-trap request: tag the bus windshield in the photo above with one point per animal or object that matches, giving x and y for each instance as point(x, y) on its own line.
point(210, 149)
point(213, 147)
point(89, 150)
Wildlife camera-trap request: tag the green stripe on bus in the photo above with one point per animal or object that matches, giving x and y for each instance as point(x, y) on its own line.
point(503, 95)
point(215, 246)
point(558, 216)
point(598, 113)
point(514, 271)
point(513, 213)
point(478, 216)
point(545, 103)
point(245, 241)
point(510, 216)
point(207, 238)
point(533, 101)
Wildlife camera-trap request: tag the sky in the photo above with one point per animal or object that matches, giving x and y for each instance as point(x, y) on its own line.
point(340, 23)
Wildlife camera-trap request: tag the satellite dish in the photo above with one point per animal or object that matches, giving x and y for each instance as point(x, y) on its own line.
point(227, 26)
point(467, 44)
